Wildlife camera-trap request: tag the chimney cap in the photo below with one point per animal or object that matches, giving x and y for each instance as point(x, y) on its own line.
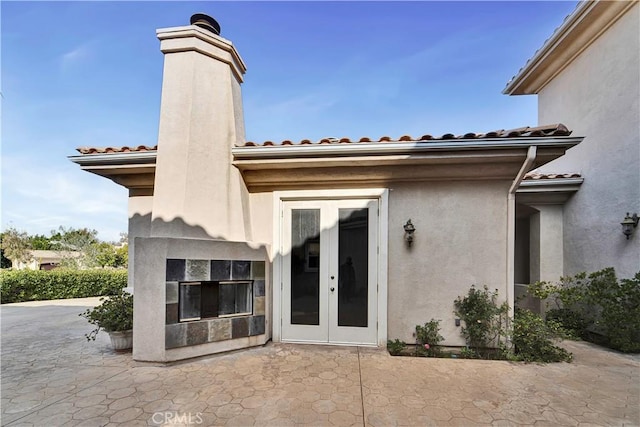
point(205, 21)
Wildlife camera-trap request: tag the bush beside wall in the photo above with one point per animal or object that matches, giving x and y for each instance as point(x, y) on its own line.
point(597, 307)
point(37, 285)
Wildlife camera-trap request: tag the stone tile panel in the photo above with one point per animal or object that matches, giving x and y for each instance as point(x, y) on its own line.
point(171, 296)
point(175, 270)
point(220, 270)
point(239, 327)
point(172, 313)
point(258, 288)
point(256, 325)
point(219, 329)
point(240, 270)
point(197, 332)
point(257, 270)
point(175, 335)
point(258, 306)
point(197, 269)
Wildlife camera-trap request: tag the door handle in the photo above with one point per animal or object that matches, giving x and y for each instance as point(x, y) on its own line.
point(333, 289)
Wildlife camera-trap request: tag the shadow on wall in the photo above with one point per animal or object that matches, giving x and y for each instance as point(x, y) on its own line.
point(142, 226)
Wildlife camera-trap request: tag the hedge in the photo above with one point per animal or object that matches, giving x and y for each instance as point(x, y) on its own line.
point(37, 285)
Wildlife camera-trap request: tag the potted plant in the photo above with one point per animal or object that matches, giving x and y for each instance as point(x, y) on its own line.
point(115, 316)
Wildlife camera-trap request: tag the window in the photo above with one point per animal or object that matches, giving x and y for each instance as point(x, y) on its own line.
point(200, 300)
point(312, 256)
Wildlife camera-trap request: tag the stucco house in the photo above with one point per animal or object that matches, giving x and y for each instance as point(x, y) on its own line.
point(588, 74)
point(43, 259)
point(234, 243)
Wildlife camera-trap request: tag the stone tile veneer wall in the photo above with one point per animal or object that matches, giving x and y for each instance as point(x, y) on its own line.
point(213, 329)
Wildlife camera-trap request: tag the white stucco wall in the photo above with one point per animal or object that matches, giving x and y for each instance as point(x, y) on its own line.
point(139, 226)
point(262, 217)
point(597, 95)
point(460, 240)
point(545, 243)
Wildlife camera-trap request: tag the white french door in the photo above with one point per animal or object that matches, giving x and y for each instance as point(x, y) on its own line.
point(329, 271)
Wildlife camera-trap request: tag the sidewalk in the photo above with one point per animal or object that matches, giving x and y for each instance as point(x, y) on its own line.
point(52, 376)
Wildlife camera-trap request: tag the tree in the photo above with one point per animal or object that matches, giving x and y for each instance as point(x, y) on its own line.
point(72, 239)
point(4, 261)
point(105, 255)
point(16, 246)
point(122, 256)
point(77, 247)
point(40, 242)
point(69, 241)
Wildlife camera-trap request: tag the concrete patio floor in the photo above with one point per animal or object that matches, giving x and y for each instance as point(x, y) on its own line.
point(52, 376)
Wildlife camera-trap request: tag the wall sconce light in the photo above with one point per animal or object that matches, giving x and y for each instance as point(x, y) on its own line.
point(629, 223)
point(409, 229)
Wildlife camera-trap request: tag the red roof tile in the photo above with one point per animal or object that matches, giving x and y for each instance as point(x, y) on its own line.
point(524, 132)
point(111, 150)
point(538, 176)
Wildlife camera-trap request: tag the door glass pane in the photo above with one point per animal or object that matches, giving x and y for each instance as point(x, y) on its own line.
point(227, 299)
point(189, 301)
point(235, 298)
point(305, 265)
point(243, 297)
point(353, 277)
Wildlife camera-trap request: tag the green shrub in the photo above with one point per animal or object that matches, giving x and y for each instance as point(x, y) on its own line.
point(428, 338)
point(37, 285)
point(395, 347)
point(468, 353)
point(533, 339)
point(486, 324)
point(114, 314)
point(572, 322)
point(597, 304)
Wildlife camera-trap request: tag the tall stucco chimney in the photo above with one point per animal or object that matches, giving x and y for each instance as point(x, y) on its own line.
point(197, 192)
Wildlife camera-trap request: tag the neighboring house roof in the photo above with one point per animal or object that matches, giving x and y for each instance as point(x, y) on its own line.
point(583, 26)
point(38, 253)
point(38, 256)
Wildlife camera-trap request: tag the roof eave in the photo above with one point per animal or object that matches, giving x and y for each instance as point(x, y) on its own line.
point(587, 22)
point(398, 148)
point(547, 191)
point(114, 158)
point(550, 185)
point(132, 170)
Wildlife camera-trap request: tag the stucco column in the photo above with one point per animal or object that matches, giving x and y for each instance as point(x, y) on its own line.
point(546, 244)
point(198, 193)
point(140, 204)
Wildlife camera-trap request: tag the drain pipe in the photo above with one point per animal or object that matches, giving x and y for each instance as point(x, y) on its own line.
point(511, 223)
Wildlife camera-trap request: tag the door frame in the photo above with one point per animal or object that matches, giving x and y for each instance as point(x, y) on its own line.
point(379, 194)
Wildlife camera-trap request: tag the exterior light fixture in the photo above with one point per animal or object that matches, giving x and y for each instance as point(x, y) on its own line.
point(629, 223)
point(409, 229)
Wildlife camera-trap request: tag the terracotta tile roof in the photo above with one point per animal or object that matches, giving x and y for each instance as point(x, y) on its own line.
point(541, 176)
point(111, 150)
point(524, 132)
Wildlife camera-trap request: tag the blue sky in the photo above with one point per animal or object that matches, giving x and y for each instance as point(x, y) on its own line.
point(90, 73)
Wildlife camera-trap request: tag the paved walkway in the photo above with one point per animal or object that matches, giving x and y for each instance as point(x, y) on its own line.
point(52, 376)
